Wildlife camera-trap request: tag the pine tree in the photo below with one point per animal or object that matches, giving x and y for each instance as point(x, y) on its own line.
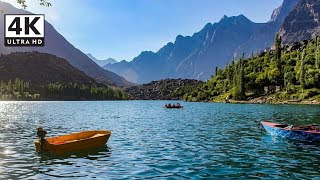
point(232, 73)
point(317, 53)
point(252, 54)
point(302, 78)
point(9, 87)
point(241, 81)
point(277, 47)
point(3, 87)
point(216, 70)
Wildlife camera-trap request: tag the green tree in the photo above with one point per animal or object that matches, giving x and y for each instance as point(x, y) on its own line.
point(41, 2)
point(317, 54)
point(277, 57)
point(296, 70)
point(216, 71)
point(239, 81)
point(9, 87)
point(302, 78)
point(277, 47)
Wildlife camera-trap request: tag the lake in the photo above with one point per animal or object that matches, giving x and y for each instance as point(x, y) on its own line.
point(202, 140)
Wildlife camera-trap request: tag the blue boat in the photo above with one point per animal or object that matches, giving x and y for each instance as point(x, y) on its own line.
point(302, 133)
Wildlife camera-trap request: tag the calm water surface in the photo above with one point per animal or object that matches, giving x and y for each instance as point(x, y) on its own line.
point(203, 140)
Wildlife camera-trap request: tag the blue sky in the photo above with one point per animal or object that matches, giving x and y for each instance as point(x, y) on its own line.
point(121, 29)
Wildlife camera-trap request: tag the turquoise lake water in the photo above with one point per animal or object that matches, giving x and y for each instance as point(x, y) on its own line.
point(203, 140)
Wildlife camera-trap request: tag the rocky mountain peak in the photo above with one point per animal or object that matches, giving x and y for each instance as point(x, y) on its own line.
point(241, 19)
point(196, 56)
point(166, 50)
point(281, 12)
point(224, 17)
point(302, 23)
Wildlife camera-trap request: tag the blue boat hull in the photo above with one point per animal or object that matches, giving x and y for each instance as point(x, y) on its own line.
point(292, 134)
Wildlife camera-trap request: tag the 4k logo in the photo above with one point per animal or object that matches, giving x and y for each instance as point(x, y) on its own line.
point(24, 30)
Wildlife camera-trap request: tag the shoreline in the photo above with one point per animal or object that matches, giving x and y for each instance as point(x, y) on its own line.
point(290, 102)
point(57, 100)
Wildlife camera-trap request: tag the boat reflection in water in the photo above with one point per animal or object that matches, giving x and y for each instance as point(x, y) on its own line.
point(99, 153)
point(70, 164)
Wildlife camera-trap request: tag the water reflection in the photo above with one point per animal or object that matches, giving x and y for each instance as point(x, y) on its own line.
point(71, 164)
point(91, 154)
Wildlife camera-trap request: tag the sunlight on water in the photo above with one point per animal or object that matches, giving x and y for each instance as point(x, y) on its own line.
point(8, 152)
point(203, 140)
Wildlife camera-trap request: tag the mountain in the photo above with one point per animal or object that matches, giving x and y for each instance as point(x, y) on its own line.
point(264, 37)
point(196, 56)
point(57, 45)
point(102, 63)
point(190, 57)
point(302, 23)
point(42, 76)
point(40, 68)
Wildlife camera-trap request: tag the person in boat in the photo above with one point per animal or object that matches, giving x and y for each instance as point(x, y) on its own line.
point(169, 105)
point(178, 105)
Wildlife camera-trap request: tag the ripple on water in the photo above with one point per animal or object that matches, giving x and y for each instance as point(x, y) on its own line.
point(203, 140)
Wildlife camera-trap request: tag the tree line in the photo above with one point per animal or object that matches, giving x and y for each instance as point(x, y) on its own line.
point(295, 69)
point(19, 89)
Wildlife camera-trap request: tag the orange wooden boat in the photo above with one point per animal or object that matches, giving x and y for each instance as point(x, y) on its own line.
point(73, 142)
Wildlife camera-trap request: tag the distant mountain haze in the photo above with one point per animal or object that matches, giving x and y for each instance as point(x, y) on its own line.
point(57, 45)
point(196, 56)
point(102, 63)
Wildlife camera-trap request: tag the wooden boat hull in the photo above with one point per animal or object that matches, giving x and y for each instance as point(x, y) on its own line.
point(74, 142)
point(280, 130)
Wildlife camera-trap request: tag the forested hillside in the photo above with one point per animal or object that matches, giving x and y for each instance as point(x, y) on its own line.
point(285, 73)
point(41, 76)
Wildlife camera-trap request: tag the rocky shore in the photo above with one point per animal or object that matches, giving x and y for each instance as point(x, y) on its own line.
point(168, 89)
point(270, 100)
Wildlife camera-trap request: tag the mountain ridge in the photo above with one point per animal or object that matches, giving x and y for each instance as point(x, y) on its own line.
point(263, 38)
point(187, 56)
point(57, 45)
point(103, 62)
point(196, 56)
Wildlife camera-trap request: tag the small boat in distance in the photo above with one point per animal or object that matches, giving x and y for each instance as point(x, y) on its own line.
point(71, 142)
point(173, 106)
point(303, 133)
